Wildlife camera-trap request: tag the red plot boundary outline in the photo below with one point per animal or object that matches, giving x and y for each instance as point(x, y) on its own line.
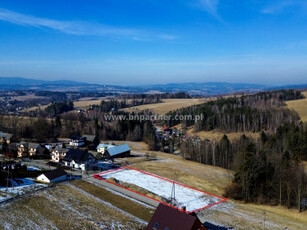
point(97, 176)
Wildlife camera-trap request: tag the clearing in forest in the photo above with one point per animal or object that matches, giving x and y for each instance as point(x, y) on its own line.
point(169, 104)
point(300, 106)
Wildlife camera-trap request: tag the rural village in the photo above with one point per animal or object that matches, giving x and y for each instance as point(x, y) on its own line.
point(167, 179)
point(153, 115)
point(27, 168)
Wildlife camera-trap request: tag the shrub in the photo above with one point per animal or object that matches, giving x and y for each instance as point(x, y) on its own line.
point(234, 191)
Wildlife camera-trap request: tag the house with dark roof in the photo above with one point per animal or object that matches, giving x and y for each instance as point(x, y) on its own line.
point(58, 154)
point(41, 153)
point(90, 140)
point(97, 155)
point(33, 148)
point(53, 176)
point(23, 149)
point(169, 218)
point(78, 159)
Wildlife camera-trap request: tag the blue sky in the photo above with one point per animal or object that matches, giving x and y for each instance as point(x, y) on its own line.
point(155, 41)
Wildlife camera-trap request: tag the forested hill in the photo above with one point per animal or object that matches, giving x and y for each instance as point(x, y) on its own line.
point(268, 170)
point(261, 111)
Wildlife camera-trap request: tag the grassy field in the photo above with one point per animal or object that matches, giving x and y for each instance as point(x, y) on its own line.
point(217, 135)
point(138, 146)
point(43, 107)
point(168, 105)
point(158, 108)
point(204, 177)
point(213, 180)
point(86, 102)
point(124, 204)
point(64, 207)
point(27, 97)
point(300, 106)
point(82, 104)
point(82, 205)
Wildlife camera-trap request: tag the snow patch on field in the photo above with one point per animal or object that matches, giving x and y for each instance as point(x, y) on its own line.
point(33, 168)
point(188, 197)
point(20, 186)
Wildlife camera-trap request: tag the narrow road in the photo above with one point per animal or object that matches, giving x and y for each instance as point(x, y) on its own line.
point(123, 191)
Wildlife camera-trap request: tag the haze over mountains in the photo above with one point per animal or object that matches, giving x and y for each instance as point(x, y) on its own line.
point(193, 88)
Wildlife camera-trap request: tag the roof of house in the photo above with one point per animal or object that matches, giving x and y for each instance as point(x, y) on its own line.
point(75, 137)
point(25, 144)
point(34, 145)
point(118, 149)
point(76, 155)
point(95, 154)
point(42, 151)
point(61, 150)
point(89, 138)
point(55, 173)
point(166, 217)
point(105, 146)
point(6, 136)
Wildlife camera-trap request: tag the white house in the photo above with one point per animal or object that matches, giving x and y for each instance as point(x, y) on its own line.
point(58, 154)
point(78, 159)
point(76, 165)
point(76, 141)
point(53, 176)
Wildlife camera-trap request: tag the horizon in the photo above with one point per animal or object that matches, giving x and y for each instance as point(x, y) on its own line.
point(155, 42)
point(158, 84)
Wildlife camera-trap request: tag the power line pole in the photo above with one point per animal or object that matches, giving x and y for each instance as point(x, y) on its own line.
point(264, 217)
point(173, 194)
point(7, 179)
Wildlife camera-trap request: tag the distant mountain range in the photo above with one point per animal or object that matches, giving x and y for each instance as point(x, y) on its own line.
point(206, 88)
